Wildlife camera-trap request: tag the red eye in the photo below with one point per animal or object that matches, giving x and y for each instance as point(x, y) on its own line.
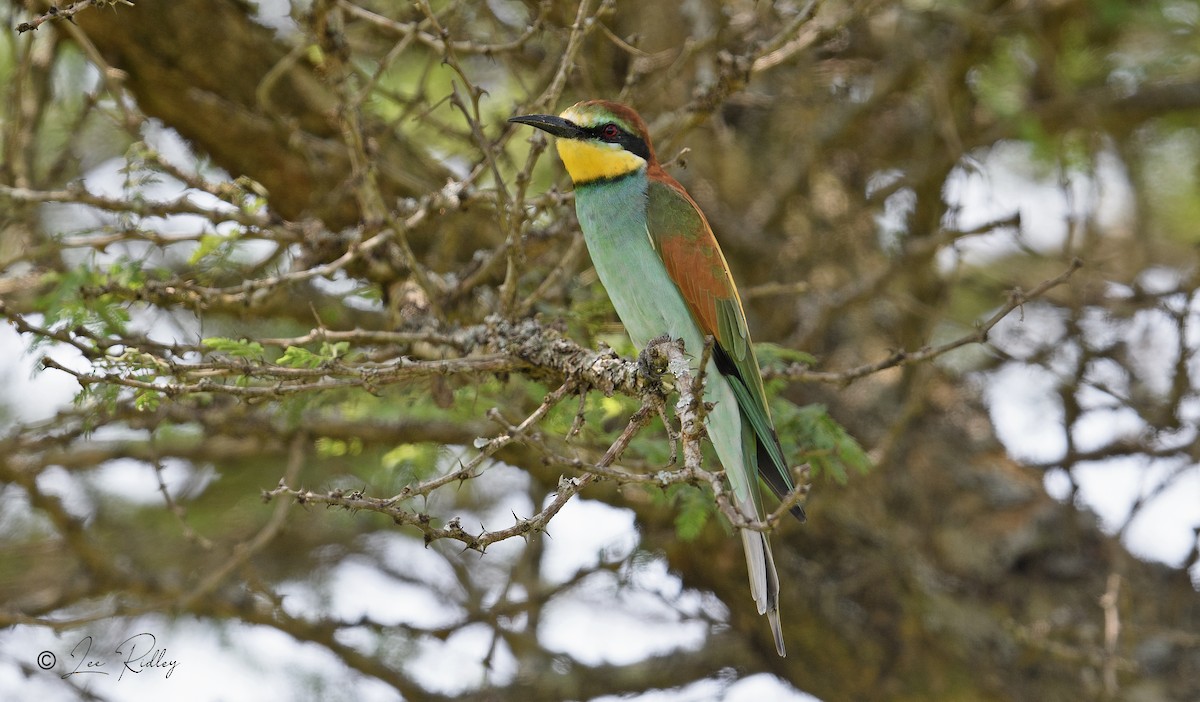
point(610, 131)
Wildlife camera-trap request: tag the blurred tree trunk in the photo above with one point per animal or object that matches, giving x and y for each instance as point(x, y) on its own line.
point(257, 106)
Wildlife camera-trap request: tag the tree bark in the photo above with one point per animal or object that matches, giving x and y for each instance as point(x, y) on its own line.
point(257, 106)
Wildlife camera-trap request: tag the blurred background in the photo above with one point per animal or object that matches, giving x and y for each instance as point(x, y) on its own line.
point(249, 250)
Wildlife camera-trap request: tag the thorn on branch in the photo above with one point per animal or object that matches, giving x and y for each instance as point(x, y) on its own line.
point(1014, 300)
point(67, 13)
point(577, 423)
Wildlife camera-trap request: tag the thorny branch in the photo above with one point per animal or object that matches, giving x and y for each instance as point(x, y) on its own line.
point(66, 13)
point(496, 347)
point(664, 352)
point(506, 349)
point(1016, 299)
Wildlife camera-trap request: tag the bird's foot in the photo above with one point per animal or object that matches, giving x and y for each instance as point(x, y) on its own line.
point(654, 362)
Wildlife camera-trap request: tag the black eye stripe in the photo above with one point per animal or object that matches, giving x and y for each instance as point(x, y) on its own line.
point(598, 132)
point(630, 142)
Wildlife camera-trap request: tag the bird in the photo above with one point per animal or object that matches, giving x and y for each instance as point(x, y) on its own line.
point(656, 256)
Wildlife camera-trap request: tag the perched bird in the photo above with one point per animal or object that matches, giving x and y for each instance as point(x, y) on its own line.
point(664, 272)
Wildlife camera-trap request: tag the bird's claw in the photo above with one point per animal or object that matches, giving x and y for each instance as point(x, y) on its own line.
point(652, 361)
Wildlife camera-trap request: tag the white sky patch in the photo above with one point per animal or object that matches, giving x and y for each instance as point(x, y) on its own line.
point(134, 481)
point(1027, 330)
point(582, 534)
point(756, 688)
point(600, 621)
point(1026, 412)
point(514, 14)
point(896, 207)
point(276, 14)
point(1163, 530)
point(110, 179)
point(419, 591)
point(1058, 483)
point(31, 393)
point(1004, 182)
point(1109, 488)
point(404, 552)
point(1099, 428)
point(462, 663)
point(604, 628)
point(349, 289)
point(356, 589)
point(339, 284)
point(501, 491)
point(75, 497)
point(1153, 341)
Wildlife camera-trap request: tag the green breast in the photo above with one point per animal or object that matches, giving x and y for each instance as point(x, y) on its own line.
point(612, 215)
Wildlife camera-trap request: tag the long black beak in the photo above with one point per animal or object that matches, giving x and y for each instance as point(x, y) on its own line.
point(557, 126)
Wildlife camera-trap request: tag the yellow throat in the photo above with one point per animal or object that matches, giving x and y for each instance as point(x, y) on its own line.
point(587, 161)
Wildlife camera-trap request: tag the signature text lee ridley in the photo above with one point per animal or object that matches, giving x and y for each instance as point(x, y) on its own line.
point(135, 655)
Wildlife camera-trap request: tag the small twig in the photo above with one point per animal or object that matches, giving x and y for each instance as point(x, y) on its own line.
point(583, 24)
point(412, 30)
point(1109, 602)
point(66, 13)
point(137, 207)
point(244, 551)
point(177, 509)
point(789, 41)
point(1016, 299)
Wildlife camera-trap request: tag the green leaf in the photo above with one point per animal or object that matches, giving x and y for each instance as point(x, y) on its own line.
point(693, 508)
point(820, 441)
point(208, 244)
point(91, 297)
point(404, 453)
point(774, 354)
point(147, 400)
point(296, 357)
point(331, 448)
point(405, 463)
point(335, 350)
point(238, 348)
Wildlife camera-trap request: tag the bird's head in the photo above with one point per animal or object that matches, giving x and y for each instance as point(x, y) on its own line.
point(597, 140)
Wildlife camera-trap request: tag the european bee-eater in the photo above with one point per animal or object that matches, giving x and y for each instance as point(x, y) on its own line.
point(664, 272)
